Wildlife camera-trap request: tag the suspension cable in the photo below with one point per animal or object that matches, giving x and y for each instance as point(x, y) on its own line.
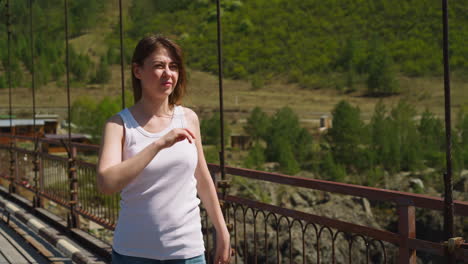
point(122, 76)
point(220, 77)
point(8, 24)
point(67, 62)
point(448, 199)
point(11, 187)
point(33, 81)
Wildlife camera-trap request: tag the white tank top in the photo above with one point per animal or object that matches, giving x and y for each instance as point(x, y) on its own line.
point(159, 216)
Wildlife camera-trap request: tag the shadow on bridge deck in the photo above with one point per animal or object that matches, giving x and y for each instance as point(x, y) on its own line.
point(24, 239)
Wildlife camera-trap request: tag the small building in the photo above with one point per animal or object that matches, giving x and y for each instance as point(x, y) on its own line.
point(46, 127)
point(25, 127)
point(59, 148)
point(241, 142)
point(325, 123)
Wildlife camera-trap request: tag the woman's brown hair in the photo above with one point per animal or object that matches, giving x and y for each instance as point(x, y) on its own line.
point(146, 47)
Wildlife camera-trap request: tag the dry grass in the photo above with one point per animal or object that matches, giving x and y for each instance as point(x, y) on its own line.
point(239, 98)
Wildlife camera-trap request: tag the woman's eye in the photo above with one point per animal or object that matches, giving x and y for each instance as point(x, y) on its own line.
point(174, 67)
point(158, 66)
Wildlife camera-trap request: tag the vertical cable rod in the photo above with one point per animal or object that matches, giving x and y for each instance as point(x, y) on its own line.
point(220, 77)
point(8, 24)
point(122, 76)
point(33, 79)
point(11, 187)
point(33, 86)
point(448, 199)
point(67, 62)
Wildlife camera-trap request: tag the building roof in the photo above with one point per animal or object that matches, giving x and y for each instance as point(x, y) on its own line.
point(21, 122)
point(65, 136)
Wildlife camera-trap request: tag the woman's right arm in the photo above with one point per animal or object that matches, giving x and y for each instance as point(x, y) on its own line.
point(113, 174)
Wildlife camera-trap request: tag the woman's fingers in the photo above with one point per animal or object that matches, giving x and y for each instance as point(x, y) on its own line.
point(181, 134)
point(190, 132)
point(176, 135)
point(188, 135)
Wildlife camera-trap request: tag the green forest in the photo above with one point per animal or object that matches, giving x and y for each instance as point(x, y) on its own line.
point(317, 44)
point(333, 44)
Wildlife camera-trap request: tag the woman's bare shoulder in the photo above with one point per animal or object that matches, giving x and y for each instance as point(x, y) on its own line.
point(190, 115)
point(115, 120)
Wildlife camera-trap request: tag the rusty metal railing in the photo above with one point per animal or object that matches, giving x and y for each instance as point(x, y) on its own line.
point(261, 232)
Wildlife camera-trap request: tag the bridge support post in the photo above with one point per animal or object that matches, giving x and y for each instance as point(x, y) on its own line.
point(13, 166)
point(406, 229)
point(73, 218)
point(37, 173)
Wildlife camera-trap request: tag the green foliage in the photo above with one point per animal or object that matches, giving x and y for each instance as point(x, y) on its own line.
point(257, 124)
point(393, 141)
point(345, 137)
point(257, 82)
point(381, 80)
point(331, 170)
point(3, 82)
point(461, 141)
point(285, 155)
point(305, 41)
point(211, 130)
point(374, 175)
point(432, 135)
point(352, 60)
point(113, 56)
point(103, 73)
point(287, 142)
point(379, 128)
point(79, 65)
point(82, 114)
point(211, 154)
point(90, 115)
point(405, 132)
point(256, 157)
point(84, 15)
point(48, 34)
point(396, 138)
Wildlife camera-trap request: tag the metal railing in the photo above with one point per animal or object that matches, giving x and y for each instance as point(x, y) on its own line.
point(260, 232)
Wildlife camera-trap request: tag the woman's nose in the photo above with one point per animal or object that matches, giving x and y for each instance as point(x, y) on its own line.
point(167, 71)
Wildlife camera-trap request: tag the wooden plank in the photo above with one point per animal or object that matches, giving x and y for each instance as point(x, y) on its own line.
point(27, 245)
point(9, 252)
point(2, 258)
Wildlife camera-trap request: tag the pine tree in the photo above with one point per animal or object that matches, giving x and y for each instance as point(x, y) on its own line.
point(406, 134)
point(381, 80)
point(256, 157)
point(345, 136)
point(211, 130)
point(431, 134)
point(103, 73)
point(257, 124)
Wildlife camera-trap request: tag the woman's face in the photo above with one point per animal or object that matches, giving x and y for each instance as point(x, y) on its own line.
point(158, 74)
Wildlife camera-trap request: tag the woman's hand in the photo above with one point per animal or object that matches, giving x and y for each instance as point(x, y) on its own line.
point(223, 247)
point(176, 135)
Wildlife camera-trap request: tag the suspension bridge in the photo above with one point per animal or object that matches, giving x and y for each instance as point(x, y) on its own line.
point(51, 203)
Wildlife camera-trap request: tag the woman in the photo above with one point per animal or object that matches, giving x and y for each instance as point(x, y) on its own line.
point(152, 153)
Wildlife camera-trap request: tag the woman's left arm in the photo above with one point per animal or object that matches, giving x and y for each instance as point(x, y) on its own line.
point(207, 193)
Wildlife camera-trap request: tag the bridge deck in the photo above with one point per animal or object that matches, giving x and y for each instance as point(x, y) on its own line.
point(15, 249)
point(25, 239)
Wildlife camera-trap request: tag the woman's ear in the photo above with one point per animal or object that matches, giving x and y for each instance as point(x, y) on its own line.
point(136, 70)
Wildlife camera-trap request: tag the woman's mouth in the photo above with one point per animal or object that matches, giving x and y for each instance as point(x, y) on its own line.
point(167, 83)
